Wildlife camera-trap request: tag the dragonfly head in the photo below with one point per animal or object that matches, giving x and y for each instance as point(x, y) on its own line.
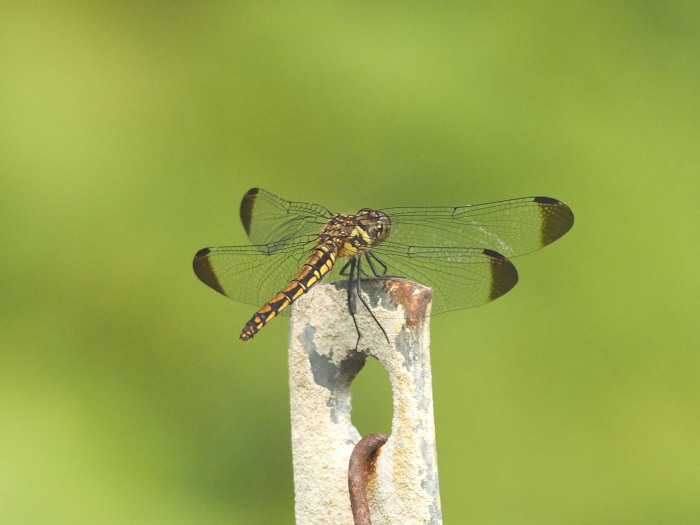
point(376, 224)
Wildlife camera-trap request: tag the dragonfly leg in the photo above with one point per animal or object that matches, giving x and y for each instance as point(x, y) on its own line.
point(362, 299)
point(354, 272)
point(351, 270)
point(351, 264)
point(371, 259)
point(344, 270)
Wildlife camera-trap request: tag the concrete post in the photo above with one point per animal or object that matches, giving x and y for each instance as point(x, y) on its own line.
point(324, 358)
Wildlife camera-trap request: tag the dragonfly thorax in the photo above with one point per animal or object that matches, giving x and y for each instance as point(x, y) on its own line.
point(355, 234)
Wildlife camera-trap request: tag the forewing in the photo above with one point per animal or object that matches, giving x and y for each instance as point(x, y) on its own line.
point(459, 277)
point(252, 274)
point(511, 227)
point(268, 218)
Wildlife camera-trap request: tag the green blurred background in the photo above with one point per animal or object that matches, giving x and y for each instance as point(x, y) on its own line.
point(128, 134)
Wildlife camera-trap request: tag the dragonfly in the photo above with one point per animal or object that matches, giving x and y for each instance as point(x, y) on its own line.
point(461, 252)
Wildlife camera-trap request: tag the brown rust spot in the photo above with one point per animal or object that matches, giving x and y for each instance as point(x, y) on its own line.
point(414, 298)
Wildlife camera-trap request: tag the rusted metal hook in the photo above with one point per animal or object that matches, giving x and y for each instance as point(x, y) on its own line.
point(360, 468)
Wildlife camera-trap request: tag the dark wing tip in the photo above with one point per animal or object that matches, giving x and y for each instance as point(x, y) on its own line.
point(494, 254)
point(203, 270)
point(557, 219)
point(546, 200)
point(504, 276)
point(247, 207)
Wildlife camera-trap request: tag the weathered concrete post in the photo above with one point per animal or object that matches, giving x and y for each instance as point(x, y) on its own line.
point(324, 358)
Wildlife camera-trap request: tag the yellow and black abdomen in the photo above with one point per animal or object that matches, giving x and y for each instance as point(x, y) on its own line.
point(319, 264)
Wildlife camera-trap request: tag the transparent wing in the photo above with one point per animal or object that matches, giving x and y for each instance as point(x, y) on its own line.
point(511, 227)
point(268, 218)
point(454, 250)
point(459, 277)
point(252, 274)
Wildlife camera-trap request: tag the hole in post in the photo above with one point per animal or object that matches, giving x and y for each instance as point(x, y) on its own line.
point(372, 400)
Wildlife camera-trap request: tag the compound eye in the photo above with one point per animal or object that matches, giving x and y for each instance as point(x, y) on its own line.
point(384, 226)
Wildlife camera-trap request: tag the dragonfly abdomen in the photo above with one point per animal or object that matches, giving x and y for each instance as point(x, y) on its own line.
point(319, 264)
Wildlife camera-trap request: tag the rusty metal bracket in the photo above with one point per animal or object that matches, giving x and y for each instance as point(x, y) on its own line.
point(324, 358)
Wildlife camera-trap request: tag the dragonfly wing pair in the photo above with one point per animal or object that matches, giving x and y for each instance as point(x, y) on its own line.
point(461, 252)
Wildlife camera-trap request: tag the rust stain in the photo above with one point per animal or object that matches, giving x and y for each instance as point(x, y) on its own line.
point(414, 298)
